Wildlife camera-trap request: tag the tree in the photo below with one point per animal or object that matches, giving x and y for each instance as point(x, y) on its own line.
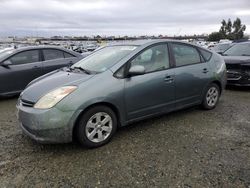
point(229, 27)
point(223, 28)
point(215, 36)
point(228, 30)
point(238, 29)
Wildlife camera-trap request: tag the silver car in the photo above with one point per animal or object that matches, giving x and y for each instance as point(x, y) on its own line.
point(117, 85)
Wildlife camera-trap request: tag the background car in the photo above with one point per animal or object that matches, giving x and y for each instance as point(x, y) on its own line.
point(221, 47)
point(20, 66)
point(118, 85)
point(237, 59)
point(87, 53)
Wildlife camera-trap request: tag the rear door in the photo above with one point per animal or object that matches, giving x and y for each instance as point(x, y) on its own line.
point(25, 67)
point(192, 74)
point(55, 59)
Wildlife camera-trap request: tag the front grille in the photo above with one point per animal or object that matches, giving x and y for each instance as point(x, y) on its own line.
point(234, 71)
point(234, 75)
point(233, 66)
point(27, 103)
point(246, 69)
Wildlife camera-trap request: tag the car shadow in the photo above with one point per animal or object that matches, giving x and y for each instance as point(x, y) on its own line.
point(239, 88)
point(159, 118)
point(6, 98)
point(52, 148)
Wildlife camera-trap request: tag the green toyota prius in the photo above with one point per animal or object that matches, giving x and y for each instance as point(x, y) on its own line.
point(117, 85)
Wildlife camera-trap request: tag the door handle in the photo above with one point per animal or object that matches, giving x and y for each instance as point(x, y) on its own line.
point(36, 67)
point(205, 70)
point(169, 79)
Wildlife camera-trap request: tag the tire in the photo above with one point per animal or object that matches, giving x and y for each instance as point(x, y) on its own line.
point(96, 127)
point(211, 97)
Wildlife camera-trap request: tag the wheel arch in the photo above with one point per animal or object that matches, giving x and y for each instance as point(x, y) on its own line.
point(217, 82)
point(108, 104)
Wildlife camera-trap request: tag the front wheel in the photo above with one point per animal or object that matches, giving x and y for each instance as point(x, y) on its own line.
point(96, 127)
point(211, 97)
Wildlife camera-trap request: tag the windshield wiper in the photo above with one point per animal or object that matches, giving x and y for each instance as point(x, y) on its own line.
point(82, 69)
point(245, 55)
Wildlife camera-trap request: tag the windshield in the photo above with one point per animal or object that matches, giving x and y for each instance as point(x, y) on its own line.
point(104, 58)
point(5, 52)
point(221, 47)
point(239, 50)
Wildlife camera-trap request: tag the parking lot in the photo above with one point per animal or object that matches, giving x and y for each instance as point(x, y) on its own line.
point(189, 148)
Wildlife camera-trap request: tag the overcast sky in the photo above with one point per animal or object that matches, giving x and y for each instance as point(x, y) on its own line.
point(118, 17)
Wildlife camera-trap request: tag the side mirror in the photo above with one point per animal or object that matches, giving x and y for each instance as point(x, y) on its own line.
point(136, 70)
point(6, 63)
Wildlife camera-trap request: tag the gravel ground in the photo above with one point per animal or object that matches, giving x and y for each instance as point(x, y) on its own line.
point(189, 148)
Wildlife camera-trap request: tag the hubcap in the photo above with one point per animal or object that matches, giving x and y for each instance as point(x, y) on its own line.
point(99, 127)
point(212, 96)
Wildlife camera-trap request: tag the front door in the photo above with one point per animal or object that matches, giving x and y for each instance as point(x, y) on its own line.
point(25, 67)
point(152, 92)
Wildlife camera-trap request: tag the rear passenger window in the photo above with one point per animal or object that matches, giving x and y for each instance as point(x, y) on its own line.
point(206, 54)
point(185, 55)
point(67, 55)
point(51, 54)
point(30, 56)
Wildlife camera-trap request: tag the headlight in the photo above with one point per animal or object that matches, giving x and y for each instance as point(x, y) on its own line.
point(52, 98)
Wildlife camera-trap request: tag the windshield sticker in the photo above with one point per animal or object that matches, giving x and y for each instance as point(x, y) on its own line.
point(130, 48)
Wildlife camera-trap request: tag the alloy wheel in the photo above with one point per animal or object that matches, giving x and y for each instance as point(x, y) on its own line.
point(99, 127)
point(212, 96)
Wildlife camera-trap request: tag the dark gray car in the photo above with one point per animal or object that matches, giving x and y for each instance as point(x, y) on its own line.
point(221, 47)
point(18, 67)
point(117, 85)
point(237, 60)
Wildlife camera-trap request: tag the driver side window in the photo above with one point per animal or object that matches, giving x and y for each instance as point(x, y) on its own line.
point(153, 59)
point(30, 56)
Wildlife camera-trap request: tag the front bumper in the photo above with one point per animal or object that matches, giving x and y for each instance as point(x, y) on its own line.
point(238, 78)
point(46, 126)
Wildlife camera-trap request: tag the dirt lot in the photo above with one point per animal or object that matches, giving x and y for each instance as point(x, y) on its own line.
point(189, 148)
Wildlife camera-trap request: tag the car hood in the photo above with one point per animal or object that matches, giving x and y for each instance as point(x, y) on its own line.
point(237, 59)
point(41, 86)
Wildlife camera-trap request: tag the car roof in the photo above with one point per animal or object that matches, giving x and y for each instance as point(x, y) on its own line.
point(147, 42)
point(20, 49)
point(128, 43)
point(245, 42)
point(39, 47)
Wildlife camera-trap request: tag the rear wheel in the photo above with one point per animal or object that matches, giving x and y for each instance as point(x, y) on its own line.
point(211, 97)
point(96, 127)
